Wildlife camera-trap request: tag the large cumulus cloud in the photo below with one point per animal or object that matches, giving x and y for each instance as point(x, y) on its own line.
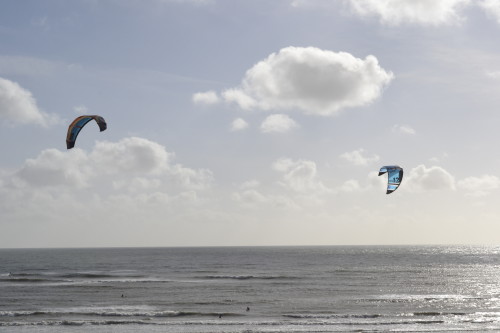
point(311, 80)
point(129, 191)
point(125, 192)
point(129, 163)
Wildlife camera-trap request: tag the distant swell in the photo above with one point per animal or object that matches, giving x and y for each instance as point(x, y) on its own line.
point(114, 313)
point(368, 316)
point(76, 323)
point(73, 275)
point(71, 278)
point(331, 316)
point(245, 277)
point(88, 276)
point(30, 280)
point(433, 314)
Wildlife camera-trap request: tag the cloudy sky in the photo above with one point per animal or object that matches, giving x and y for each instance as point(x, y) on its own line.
point(235, 122)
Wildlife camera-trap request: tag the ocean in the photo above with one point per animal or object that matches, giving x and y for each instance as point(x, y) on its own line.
point(251, 289)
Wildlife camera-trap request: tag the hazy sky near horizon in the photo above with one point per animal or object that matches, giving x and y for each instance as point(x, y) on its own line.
point(236, 122)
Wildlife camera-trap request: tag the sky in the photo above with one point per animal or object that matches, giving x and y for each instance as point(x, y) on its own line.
point(249, 123)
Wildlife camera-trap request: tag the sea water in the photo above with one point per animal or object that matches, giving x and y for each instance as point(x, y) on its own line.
point(251, 289)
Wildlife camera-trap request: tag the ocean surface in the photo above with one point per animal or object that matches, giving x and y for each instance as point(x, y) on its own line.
point(251, 289)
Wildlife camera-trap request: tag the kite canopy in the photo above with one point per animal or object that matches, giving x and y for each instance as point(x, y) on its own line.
point(77, 125)
point(395, 176)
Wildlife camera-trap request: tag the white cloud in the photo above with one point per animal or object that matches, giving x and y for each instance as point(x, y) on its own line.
point(300, 176)
point(376, 181)
point(299, 186)
point(78, 191)
point(208, 97)
point(250, 197)
point(278, 123)
point(250, 184)
point(492, 8)
point(55, 168)
point(404, 129)
point(130, 155)
point(424, 12)
point(433, 178)
point(137, 184)
point(351, 185)
point(18, 106)
point(373, 181)
point(239, 97)
point(190, 178)
point(238, 124)
point(479, 186)
point(357, 157)
point(312, 80)
point(129, 163)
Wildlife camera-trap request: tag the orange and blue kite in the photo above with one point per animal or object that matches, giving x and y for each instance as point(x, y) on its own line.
point(77, 125)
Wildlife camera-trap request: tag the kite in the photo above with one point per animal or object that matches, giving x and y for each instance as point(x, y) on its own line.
point(395, 176)
point(77, 125)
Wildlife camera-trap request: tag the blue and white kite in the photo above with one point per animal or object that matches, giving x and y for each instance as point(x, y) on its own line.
point(395, 176)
